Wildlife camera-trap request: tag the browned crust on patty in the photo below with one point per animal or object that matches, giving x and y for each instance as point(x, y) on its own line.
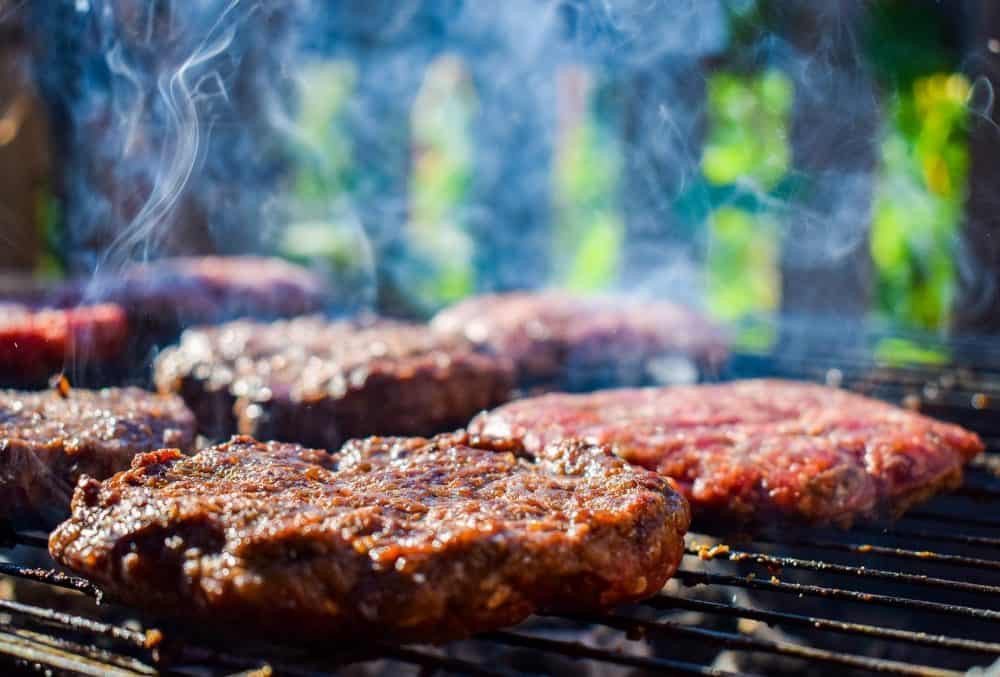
point(400, 539)
point(561, 338)
point(321, 382)
point(47, 441)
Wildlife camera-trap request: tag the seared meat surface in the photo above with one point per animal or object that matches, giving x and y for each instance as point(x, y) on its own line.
point(757, 450)
point(318, 382)
point(563, 339)
point(163, 297)
point(400, 539)
point(48, 440)
point(208, 289)
point(37, 342)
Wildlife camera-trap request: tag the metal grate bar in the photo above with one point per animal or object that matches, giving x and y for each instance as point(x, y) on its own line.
point(31, 540)
point(140, 640)
point(950, 518)
point(743, 642)
point(665, 602)
point(901, 553)
point(426, 659)
point(989, 462)
point(977, 491)
point(90, 651)
point(200, 656)
point(985, 541)
point(29, 649)
point(52, 577)
point(582, 651)
point(843, 569)
point(699, 577)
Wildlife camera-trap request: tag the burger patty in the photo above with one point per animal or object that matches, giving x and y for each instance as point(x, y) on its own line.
point(401, 539)
point(48, 439)
point(161, 298)
point(757, 450)
point(36, 342)
point(561, 339)
point(318, 382)
point(209, 289)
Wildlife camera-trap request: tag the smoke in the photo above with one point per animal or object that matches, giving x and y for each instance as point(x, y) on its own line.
point(181, 135)
point(181, 130)
point(160, 105)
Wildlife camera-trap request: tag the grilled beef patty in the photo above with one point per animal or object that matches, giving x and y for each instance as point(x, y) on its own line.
point(757, 450)
point(49, 439)
point(563, 340)
point(37, 342)
point(318, 382)
point(400, 539)
point(163, 297)
point(209, 289)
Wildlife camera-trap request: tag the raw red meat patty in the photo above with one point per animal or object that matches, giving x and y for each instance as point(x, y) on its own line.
point(35, 343)
point(760, 449)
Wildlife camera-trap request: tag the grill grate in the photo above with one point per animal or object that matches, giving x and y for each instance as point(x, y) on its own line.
point(919, 598)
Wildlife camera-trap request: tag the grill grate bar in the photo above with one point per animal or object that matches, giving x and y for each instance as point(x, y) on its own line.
point(702, 578)
point(949, 518)
point(11, 537)
point(31, 540)
point(961, 539)
point(37, 650)
point(901, 553)
point(989, 462)
point(202, 655)
point(665, 602)
point(860, 572)
point(582, 651)
point(977, 491)
point(743, 642)
point(139, 640)
point(90, 651)
point(433, 661)
point(52, 577)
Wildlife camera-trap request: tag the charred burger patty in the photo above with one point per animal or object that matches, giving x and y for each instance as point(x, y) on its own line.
point(558, 339)
point(321, 382)
point(397, 538)
point(48, 439)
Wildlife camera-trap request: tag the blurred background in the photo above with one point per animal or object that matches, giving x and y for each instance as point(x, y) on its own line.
point(757, 158)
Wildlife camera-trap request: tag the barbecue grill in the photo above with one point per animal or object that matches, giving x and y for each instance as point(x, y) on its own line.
point(182, 128)
point(919, 597)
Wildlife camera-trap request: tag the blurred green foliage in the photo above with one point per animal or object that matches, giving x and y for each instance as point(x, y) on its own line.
point(323, 150)
point(588, 224)
point(919, 195)
point(900, 352)
point(742, 263)
point(920, 190)
point(52, 263)
point(747, 138)
point(747, 144)
point(323, 176)
point(745, 173)
point(441, 118)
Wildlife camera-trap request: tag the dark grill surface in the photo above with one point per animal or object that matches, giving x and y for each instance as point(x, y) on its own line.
point(921, 597)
